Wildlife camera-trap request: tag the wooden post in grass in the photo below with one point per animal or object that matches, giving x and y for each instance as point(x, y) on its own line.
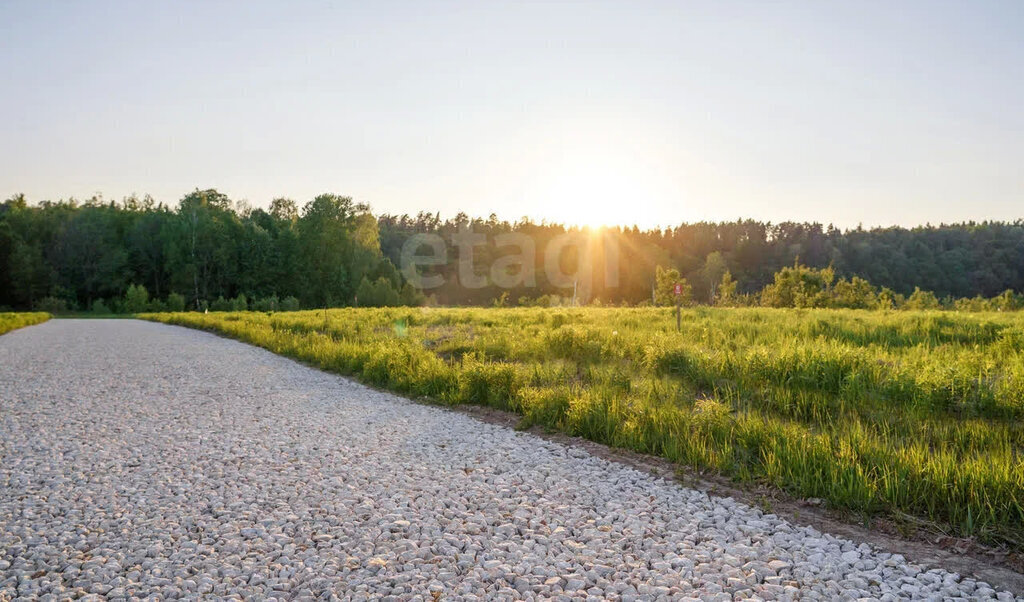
point(679, 304)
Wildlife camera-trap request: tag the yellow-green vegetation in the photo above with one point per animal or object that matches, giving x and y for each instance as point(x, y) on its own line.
point(920, 413)
point(12, 320)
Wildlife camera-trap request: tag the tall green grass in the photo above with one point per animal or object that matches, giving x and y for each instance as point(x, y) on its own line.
point(879, 412)
point(12, 320)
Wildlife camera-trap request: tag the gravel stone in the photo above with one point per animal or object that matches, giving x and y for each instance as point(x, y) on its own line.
point(141, 460)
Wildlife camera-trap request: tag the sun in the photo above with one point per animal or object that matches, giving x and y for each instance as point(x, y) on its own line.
point(595, 190)
point(594, 196)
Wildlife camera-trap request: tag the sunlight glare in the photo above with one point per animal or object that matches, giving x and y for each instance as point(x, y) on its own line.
point(594, 190)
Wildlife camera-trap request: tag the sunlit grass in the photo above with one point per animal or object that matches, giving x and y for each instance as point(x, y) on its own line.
point(879, 412)
point(12, 320)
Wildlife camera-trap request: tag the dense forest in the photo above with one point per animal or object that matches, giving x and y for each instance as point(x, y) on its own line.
point(211, 252)
point(959, 260)
point(206, 252)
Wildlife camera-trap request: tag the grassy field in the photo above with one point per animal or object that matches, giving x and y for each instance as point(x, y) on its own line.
point(877, 412)
point(11, 320)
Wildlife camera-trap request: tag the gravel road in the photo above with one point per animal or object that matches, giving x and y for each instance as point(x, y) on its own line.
point(144, 460)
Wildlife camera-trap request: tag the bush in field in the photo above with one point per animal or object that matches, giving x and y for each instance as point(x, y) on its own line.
point(240, 303)
point(411, 296)
point(290, 304)
point(136, 299)
point(222, 304)
point(379, 293)
point(799, 286)
point(665, 285)
point(726, 293)
point(888, 299)
point(855, 293)
point(156, 305)
point(1006, 301)
point(175, 302)
point(99, 307)
point(270, 303)
point(52, 305)
point(715, 267)
point(921, 300)
point(978, 303)
point(544, 301)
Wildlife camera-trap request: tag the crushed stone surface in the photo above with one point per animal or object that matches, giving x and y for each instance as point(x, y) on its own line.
point(141, 460)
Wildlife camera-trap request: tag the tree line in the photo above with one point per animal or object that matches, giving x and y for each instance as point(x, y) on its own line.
point(955, 261)
point(209, 252)
point(206, 253)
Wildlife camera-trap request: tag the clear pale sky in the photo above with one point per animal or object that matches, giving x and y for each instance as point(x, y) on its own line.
point(587, 112)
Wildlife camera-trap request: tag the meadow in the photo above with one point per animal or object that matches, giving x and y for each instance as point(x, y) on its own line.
point(900, 414)
point(12, 320)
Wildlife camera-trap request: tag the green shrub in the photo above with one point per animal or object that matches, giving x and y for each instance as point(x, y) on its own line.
point(379, 293)
point(270, 303)
point(665, 284)
point(855, 293)
point(222, 304)
point(799, 286)
point(240, 303)
point(136, 299)
point(175, 302)
point(411, 296)
point(99, 307)
point(52, 305)
point(921, 300)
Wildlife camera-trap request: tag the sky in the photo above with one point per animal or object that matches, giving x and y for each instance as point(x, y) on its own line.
point(632, 112)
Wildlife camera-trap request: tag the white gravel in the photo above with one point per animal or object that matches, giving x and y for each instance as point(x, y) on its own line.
point(143, 460)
